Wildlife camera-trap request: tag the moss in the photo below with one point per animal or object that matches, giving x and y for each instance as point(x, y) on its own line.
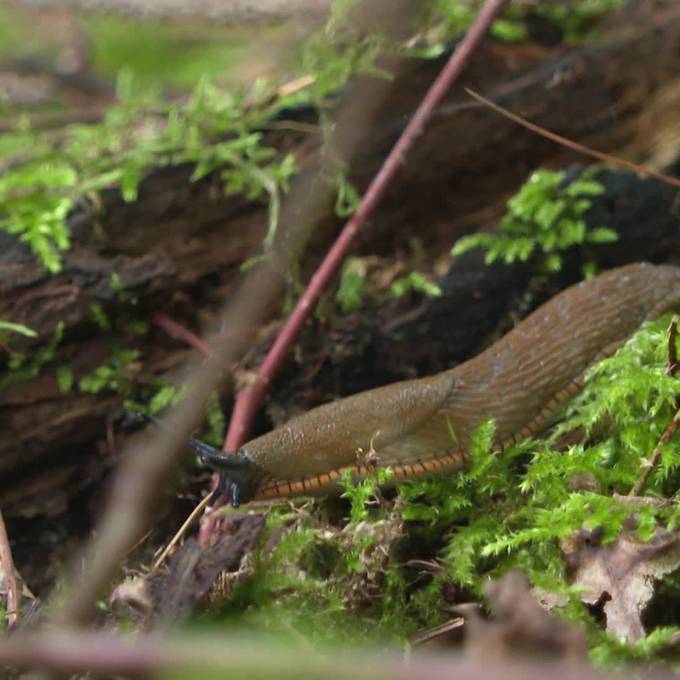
point(545, 218)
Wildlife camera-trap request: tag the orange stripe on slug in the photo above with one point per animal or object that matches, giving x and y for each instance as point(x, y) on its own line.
point(406, 470)
point(297, 487)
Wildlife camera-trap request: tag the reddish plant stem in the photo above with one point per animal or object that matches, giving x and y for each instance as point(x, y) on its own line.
point(178, 331)
point(250, 397)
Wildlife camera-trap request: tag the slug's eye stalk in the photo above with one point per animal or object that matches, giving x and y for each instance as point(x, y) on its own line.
point(239, 476)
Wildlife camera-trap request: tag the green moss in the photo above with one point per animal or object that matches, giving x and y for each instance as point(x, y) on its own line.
point(544, 218)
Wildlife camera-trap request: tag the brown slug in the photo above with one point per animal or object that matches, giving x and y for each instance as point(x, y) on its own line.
point(518, 382)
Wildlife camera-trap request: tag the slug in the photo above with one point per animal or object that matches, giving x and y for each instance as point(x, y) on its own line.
point(519, 382)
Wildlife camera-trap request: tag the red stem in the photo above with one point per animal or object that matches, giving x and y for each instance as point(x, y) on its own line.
point(250, 397)
point(178, 331)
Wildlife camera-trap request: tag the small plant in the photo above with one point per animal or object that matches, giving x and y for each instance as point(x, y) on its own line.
point(545, 218)
point(354, 287)
point(214, 130)
point(217, 131)
point(217, 423)
point(116, 376)
point(414, 281)
point(444, 19)
point(6, 327)
point(359, 493)
point(573, 18)
point(24, 366)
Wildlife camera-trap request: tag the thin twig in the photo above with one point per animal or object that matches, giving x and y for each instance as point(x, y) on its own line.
point(672, 334)
point(250, 397)
point(9, 576)
point(195, 514)
point(648, 464)
point(639, 169)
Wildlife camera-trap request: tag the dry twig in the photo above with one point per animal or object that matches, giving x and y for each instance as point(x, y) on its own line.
point(672, 364)
point(8, 576)
point(177, 330)
point(575, 146)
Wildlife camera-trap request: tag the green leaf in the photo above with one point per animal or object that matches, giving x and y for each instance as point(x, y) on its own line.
point(164, 397)
point(584, 187)
point(351, 291)
point(417, 282)
point(602, 235)
point(65, 379)
point(17, 328)
point(509, 31)
point(100, 317)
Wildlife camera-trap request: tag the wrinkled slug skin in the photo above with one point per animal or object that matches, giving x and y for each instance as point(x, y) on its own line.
point(518, 382)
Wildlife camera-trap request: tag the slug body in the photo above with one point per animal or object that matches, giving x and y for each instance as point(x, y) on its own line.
point(518, 382)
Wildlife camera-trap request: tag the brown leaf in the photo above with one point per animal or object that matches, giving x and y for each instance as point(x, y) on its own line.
point(520, 627)
point(621, 576)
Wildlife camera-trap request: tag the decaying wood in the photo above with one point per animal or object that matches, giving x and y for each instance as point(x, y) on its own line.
point(195, 572)
point(183, 242)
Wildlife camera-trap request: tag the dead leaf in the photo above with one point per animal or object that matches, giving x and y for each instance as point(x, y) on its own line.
point(520, 627)
point(620, 577)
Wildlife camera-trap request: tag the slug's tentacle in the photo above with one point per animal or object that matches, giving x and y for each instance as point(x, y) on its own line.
point(239, 476)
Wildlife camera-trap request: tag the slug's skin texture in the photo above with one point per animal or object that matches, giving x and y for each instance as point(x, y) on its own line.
point(519, 381)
